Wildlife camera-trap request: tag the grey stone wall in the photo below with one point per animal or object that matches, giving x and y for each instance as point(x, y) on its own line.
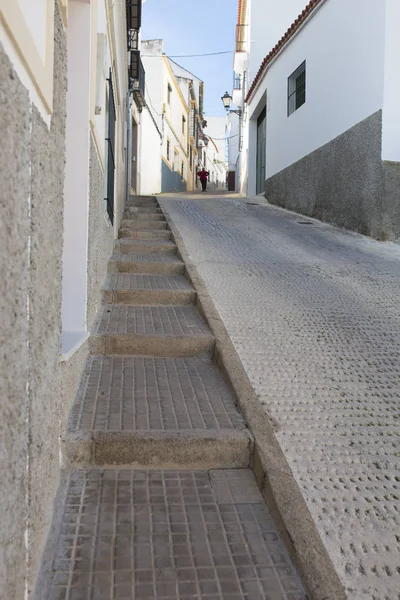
point(14, 285)
point(343, 183)
point(31, 179)
point(391, 201)
point(101, 237)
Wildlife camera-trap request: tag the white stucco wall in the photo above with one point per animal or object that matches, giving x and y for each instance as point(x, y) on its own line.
point(343, 46)
point(76, 190)
point(269, 20)
point(150, 156)
point(391, 100)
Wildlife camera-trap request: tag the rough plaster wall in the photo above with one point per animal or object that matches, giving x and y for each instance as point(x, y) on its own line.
point(341, 182)
point(391, 201)
point(101, 237)
point(48, 161)
point(14, 282)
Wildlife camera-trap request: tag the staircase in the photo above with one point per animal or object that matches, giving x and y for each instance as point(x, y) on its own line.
point(158, 500)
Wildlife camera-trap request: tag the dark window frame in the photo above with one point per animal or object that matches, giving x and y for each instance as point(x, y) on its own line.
point(169, 88)
point(168, 150)
point(296, 91)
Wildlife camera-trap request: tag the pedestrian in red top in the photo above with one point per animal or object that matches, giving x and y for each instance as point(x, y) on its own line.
point(203, 175)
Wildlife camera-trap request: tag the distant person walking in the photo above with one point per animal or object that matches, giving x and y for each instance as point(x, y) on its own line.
point(203, 175)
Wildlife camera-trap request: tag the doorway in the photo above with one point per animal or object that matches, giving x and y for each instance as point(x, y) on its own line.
point(261, 151)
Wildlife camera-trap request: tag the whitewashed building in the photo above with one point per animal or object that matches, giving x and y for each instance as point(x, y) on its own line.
point(171, 126)
point(321, 134)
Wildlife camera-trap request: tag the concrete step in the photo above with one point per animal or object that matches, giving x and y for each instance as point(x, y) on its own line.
point(140, 210)
point(135, 203)
point(126, 288)
point(154, 263)
point(143, 234)
point(150, 330)
point(146, 246)
point(134, 534)
point(134, 215)
point(133, 224)
point(156, 412)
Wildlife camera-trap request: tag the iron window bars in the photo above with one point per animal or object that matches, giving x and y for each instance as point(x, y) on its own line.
point(297, 89)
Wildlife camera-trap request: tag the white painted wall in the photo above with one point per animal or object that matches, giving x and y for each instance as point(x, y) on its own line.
point(34, 12)
point(269, 21)
point(345, 75)
point(391, 100)
point(150, 156)
point(76, 190)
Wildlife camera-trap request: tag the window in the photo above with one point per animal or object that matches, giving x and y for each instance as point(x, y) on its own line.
point(182, 174)
point(183, 124)
point(169, 91)
point(168, 149)
point(297, 89)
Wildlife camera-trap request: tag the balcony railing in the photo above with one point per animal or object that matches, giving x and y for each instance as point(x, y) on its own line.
point(138, 86)
point(133, 20)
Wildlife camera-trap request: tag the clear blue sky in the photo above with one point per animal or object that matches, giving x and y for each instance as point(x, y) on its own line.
point(193, 27)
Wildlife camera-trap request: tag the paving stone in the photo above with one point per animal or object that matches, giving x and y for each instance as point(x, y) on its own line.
point(144, 234)
point(164, 535)
point(146, 246)
point(156, 262)
point(157, 330)
point(138, 393)
point(126, 288)
point(148, 224)
point(313, 313)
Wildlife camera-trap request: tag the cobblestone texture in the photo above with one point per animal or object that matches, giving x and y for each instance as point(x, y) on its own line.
point(151, 320)
point(314, 315)
point(166, 394)
point(138, 535)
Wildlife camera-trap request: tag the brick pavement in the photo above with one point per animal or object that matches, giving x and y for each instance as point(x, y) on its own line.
point(313, 313)
point(151, 397)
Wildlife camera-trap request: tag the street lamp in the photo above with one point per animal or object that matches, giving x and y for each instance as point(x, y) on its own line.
point(226, 101)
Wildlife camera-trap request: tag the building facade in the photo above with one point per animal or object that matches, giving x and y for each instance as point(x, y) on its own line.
point(332, 156)
point(173, 125)
point(63, 116)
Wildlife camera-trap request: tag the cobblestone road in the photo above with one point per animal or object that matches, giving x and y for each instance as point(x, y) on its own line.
point(314, 314)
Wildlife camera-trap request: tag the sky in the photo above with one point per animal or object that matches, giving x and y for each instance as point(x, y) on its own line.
point(193, 27)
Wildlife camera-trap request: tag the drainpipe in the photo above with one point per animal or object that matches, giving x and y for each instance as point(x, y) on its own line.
point(128, 148)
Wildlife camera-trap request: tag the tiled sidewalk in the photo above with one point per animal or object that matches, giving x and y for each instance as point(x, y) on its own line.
point(169, 535)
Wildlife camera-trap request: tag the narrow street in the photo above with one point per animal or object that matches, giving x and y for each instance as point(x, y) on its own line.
point(313, 314)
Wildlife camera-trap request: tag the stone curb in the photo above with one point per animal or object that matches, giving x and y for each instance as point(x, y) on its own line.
point(273, 474)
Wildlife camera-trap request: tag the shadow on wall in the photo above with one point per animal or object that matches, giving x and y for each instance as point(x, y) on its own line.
point(171, 181)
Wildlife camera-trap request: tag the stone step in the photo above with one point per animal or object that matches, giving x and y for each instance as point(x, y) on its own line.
point(134, 215)
point(133, 224)
point(134, 534)
point(140, 210)
point(146, 246)
point(154, 263)
point(156, 412)
point(135, 203)
point(143, 234)
point(126, 288)
point(150, 330)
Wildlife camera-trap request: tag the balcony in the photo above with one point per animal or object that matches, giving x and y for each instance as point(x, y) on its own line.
point(133, 22)
point(137, 82)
